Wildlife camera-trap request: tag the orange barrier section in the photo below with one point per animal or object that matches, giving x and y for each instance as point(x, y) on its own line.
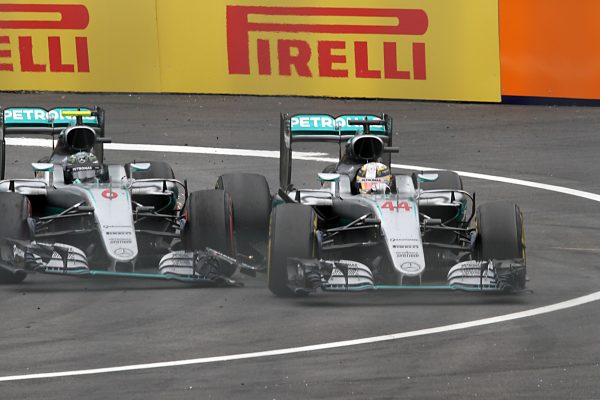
point(550, 48)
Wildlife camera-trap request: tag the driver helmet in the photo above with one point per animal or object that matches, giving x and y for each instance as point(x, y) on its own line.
point(374, 177)
point(82, 167)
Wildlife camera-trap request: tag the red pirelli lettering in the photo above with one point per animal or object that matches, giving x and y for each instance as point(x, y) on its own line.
point(72, 16)
point(419, 69)
point(299, 59)
point(26, 55)
point(390, 63)
point(239, 26)
point(361, 62)
point(55, 17)
point(263, 50)
point(55, 55)
point(5, 53)
point(327, 59)
point(83, 58)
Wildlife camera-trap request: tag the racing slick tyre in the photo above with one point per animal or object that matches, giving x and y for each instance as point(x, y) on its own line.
point(15, 209)
point(251, 207)
point(499, 228)
point(210, 223)
point(292, 233)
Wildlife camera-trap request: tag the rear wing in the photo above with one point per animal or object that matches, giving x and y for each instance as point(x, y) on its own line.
point(40, 121)
point(327, 128)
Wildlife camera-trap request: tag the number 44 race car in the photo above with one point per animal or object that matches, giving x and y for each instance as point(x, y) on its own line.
point(81, 217)
point(365, 229)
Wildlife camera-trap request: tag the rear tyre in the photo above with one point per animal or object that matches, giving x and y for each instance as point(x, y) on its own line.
point(292, 233)
point(210, 223)
point(15, 209)
point(500, 233)
point(251, 207)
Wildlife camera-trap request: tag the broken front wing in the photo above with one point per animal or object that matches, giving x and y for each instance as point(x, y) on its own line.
point(202, 268)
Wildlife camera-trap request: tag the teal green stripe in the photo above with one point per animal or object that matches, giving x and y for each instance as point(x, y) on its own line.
point(139, 275)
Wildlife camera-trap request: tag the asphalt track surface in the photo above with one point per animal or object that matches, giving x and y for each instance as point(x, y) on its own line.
point(53, 325)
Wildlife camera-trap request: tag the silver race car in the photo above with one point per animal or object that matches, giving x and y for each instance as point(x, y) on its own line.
point(80, 217)
point(366, 229)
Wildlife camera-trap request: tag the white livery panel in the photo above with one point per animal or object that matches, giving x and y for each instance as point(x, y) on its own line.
point(401, 229)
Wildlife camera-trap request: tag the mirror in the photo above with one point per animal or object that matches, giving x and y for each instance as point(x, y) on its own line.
point(42, 167)
point(325, 177)
point(139, 166)
point(427, 177)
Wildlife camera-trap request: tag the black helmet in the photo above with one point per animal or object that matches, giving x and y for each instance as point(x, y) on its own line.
point(82, 167)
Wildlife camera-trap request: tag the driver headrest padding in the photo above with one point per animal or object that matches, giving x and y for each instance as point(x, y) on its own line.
point(80, 138)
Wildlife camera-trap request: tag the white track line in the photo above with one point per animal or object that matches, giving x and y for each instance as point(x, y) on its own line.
point(324, 346)
point(308, 156)
point(35, 142)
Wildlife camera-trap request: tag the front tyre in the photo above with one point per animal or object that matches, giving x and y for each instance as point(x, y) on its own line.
point(15, 209)
point(500, 235)
point(292, 233)
point(210, 223)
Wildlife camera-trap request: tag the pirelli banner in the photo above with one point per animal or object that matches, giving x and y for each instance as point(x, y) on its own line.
point(413, 49)
point(74, 45)
point(416, 49)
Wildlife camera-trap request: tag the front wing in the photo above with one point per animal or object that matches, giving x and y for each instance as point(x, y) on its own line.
point(501, 276)
point(200, 268)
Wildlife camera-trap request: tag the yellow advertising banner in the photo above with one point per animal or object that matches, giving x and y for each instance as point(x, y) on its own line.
point(79, 45)
point(411, 49)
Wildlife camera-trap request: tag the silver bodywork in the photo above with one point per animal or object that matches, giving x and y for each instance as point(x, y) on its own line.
point(382, 240)
point(110, 204)
point(90, 223)
point(401, 226)
point(397, 213)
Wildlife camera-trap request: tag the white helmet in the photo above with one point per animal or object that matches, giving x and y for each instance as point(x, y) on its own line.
point(374, 177)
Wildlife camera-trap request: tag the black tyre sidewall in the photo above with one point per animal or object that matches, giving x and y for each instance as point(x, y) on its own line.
point(251, 201)
point(499, 232)
point(291, 234)
point(209, 222)
point(15, 209)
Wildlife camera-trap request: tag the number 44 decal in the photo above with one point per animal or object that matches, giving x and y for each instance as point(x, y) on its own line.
point(401, 205)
